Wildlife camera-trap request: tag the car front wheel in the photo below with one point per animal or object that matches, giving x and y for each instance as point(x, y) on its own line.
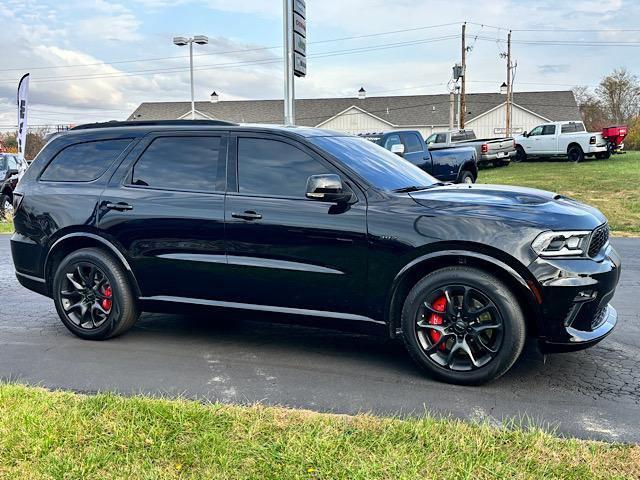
point(93, 296)
point(463, 325)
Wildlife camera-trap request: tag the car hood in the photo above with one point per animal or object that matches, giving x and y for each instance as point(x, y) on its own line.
point(543, 209)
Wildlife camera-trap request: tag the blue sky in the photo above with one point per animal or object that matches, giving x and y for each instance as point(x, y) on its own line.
point(92, 44)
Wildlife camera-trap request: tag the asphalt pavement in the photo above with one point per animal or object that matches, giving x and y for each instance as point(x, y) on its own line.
point(233, 358)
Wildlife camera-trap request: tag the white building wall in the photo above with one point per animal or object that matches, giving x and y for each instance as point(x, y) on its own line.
point(492, 124)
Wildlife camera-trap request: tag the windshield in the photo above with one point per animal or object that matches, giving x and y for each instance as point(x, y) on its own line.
point(379, 167)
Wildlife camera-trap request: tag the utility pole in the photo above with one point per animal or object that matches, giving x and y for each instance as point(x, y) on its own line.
point(464, 74)
point(509, 89)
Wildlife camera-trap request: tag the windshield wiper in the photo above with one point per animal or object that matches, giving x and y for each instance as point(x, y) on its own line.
point(414, 188)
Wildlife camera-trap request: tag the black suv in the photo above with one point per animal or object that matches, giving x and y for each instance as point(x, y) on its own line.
point(114, 219)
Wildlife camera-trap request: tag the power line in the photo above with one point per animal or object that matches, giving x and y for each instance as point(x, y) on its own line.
point(228, 52)
point(238, 64)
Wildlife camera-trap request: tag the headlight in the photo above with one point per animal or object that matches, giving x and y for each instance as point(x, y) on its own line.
point(562, 244)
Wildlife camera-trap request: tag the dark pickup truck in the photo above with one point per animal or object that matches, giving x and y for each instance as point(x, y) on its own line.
point(457, 165)
point(496, 151)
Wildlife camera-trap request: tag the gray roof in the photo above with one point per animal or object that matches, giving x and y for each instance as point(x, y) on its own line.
point(406, 110)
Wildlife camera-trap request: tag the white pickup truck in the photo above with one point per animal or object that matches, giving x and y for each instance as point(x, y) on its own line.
point(555, 139)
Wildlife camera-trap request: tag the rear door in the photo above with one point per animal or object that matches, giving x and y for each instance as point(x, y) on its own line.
point(165, 208)
point(285, 250)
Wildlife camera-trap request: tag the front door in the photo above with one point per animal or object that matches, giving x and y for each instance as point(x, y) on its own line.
point(165, 208)
point(547, 140)
point(285, 250)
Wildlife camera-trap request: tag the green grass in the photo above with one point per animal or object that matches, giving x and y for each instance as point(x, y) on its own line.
point(64, 435)
point(6, 226)
point(613, 185)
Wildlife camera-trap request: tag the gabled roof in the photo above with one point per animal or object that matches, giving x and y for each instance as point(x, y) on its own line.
point(406, 110)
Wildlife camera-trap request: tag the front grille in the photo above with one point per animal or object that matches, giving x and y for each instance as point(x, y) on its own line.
point(599, 238)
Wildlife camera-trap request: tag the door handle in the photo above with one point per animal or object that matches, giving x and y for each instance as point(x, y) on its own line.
point(121, 207)
point(248, 215)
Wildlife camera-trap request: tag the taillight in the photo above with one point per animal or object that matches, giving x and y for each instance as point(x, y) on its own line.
point(17, 200)
point(484, 148)
point(592, 140)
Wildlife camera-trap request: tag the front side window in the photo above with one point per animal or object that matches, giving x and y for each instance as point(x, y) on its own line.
point(412, 143)
point(180, 163)
point(548, 130)
point(391, 141)
point(376, 165)
point(536, 131)
point(84, 162)
point(12, 163)
point(274, 168)
point(441, 138)
point(431, 138)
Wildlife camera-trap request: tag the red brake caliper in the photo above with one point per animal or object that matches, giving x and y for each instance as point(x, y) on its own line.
point(107, 302)
point(440, 305)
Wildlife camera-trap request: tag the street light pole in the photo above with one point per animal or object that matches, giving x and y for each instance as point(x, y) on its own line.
point(181, 42)
point(193, 102)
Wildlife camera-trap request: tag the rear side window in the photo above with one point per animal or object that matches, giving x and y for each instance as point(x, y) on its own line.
point(84, 162)
point(572, 127)
point(458, 137)
point(274, 168)
point(180, 163)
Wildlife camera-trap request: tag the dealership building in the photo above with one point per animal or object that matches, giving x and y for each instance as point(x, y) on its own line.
point(485, 112)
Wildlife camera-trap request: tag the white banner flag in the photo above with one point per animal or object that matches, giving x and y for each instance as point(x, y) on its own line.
point(23, 95)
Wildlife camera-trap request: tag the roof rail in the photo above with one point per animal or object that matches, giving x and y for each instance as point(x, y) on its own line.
point(153, 123)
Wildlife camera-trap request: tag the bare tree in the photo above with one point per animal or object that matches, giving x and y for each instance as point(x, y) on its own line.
point(619, 94)
point(591, 109)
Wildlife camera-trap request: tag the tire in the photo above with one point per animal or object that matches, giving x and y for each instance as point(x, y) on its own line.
point(575, 154)
point(113, 318)
point(520, 155)
point(488, 293)
point(6, 206)
point(466, 177)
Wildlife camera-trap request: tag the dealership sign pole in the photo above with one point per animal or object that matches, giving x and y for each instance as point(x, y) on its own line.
point(295, 52)
point(23, 96)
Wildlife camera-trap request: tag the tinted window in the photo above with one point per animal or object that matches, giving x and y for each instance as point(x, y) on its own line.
point(271, 167)
point(572, 127)
point(180, 163)
point(412, 142)
point(84, 162)
point(457, 137)
point(391, 141)
point(548, 130)
point(376, 165)
point(441, 138)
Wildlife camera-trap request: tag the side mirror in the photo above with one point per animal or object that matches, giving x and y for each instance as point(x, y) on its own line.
point(327, 188)
point(525, 134)
point(398, 149)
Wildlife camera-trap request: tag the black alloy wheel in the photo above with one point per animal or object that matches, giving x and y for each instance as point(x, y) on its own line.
point(575, 154)
point(520, 155)
point(87, 296)
point(463, 325)
point(459, 328)
point(93, 295)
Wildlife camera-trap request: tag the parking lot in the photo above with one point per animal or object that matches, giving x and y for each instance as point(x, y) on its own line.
point(590, 394)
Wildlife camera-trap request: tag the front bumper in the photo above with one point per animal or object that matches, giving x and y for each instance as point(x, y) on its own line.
point(575, 310)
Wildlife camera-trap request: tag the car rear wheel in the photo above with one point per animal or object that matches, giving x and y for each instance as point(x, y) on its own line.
point(6, 206)
point(575, 154)
point(466, 177)
point(92, 295)
point(463, 325)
